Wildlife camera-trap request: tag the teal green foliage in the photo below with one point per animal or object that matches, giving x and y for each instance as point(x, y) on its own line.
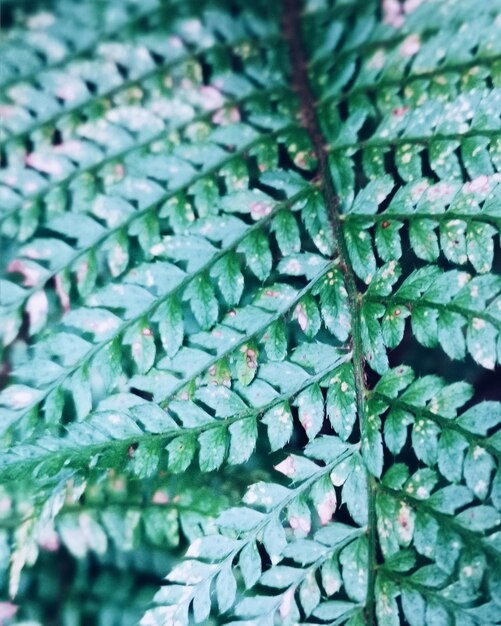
point(218, 282)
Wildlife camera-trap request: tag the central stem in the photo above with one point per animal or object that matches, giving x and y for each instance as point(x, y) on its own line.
point(309, 121)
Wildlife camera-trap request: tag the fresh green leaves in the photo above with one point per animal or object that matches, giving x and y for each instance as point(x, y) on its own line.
point(228, 232)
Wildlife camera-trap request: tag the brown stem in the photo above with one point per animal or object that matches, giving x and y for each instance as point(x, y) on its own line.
point(309, 121)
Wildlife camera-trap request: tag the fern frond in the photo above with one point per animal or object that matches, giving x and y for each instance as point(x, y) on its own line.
point(48, 40)
point(92, 239)
point(193, 578)
point(143, 59)
point(116, 512)
point(441, 306)
point(218, 218)
point(119, 590)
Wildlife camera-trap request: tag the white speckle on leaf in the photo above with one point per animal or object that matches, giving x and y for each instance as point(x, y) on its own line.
point(259, 210)
point(40, 21)
point(194, 549)
point(286, 604)
point(250, 496)
point(463, 279)
point(37, 308)
point(480, 488)
point(18, 396)
point(377, 61)
point(478, 451)
point(411, 5)
point(293, 267)
point(300, 523)
point(422, 492)
point(282, 415)
point(478, 323)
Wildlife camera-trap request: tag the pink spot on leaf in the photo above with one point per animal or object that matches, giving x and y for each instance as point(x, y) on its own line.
point(41, 163)
point(66, 92)
point(410, 46)
point(7, 610)
point(481, 184)
point(301, 317)
point(412, 5)
point(160, 497)
point(287, 467)
point(48, 539)
point(400, 111)
point(176, 42)
point(37, 308)
point(31, 274)
point(225, 116)
point(327, 507)
point(300, 523)
point(393, 13)
point(62, 294)
point(83, 268)
point(259, 210)
point(306, 420)
point(212, 97)
point(285, 606)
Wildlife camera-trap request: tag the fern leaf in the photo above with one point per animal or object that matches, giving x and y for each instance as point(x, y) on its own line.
point(224, 227)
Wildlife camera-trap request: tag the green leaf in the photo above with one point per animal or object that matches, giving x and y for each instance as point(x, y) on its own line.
point(203, 302)
point(221, 224)
point(170, 326)
point(276, 341)
point(226, 587)
point(243, 440)
point(246, 361)
point(372, 338)
point(142, 346)
point(145, 459)
point(341, 401)
point(333, 609)
point(308, 317)
point(310, 405)
point(317, 224)
point(362, 257)
point(257, 253)
point(212, 449)
point(230, 279)
point(250, 564)
point(356, 482)
point(181, 451)
point(280, 425)
point(286, 232)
